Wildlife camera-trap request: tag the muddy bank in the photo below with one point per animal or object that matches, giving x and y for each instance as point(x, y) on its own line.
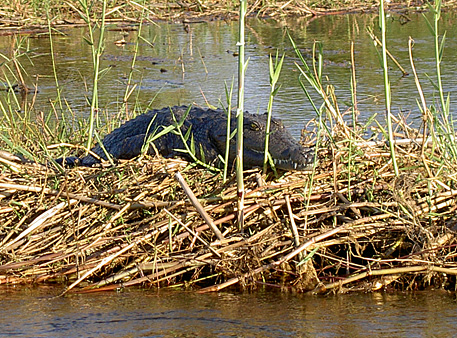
point(30, 15)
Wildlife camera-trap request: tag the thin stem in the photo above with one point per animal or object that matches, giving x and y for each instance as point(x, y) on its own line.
point(96, 54)
point(239, 113)
point(382, 19)
point(228, 94)
point(275, 70)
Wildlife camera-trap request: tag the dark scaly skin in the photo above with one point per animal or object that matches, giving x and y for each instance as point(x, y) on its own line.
point(208, 127)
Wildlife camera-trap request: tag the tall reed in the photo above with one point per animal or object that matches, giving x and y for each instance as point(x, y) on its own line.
point(438, 48)
point(15, 103)
point(387, 92)
point(242, 64)
point(228, 95)
point(97, 46)
point(313, 76)
point(53, 60)
point(275, 70)
point(443, 120)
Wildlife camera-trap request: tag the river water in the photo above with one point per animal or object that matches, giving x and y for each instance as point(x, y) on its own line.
point(35, 312)
point(182, 65)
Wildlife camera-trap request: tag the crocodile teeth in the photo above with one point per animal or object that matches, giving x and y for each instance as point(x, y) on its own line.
point(292, 164)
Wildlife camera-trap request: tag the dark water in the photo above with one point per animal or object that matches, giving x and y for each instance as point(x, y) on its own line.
point(26, 312)
point(174, 66)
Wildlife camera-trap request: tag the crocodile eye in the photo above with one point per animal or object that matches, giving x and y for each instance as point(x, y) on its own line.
point(278, 123)
point(255, 126)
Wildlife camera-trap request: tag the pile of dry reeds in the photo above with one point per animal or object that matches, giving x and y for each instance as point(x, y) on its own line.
point(350, 224)
point(36, 13)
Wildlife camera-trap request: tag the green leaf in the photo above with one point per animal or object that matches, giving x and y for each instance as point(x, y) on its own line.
point(202, 153)
point(184, 117)
point(192, 142)
point(88, 41)
point(186, 136)
point(276, 90)
point(441, 47)
point(103, 72)
point(298, 53)
point(308, 256)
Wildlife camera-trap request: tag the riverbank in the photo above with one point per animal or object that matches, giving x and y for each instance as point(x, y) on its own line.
point(350, 224)
point(37, 13)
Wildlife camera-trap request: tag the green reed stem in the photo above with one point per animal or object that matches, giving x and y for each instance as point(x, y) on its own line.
point(447, 123)
point(275, 70)
point(228, 95)
point(129, 88)
point(354, 109)
point(314, 80)
point(53, 60)
point(239, 114)
point(189, 146)
point(438, 51)
point(97, 51)
point(382, 26)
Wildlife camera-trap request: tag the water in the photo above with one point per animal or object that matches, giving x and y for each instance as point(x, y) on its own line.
point(34, 312)
point(175, 67)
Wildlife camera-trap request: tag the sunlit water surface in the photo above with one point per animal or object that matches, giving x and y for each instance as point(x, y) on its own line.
point(175, 66)
point(35, 312)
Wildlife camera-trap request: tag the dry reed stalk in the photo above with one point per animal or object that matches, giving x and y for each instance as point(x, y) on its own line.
point(131, 225)
point(198, 206)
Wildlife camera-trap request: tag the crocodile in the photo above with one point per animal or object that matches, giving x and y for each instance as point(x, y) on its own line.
point(208, 132)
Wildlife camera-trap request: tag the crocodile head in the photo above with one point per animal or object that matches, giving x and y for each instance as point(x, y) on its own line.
point(286, 152)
